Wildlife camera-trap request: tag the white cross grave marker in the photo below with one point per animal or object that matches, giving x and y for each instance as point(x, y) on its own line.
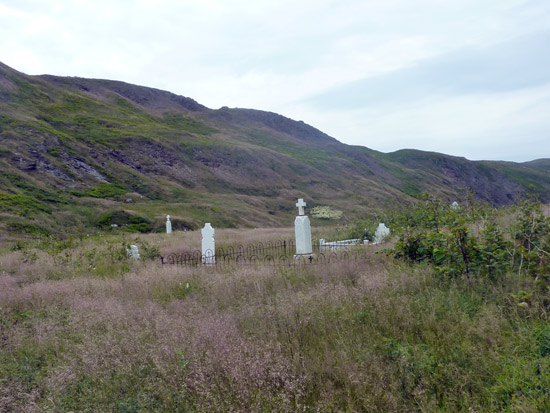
point(302, 231)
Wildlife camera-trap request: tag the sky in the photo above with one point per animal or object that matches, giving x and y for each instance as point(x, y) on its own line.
point(463, 77)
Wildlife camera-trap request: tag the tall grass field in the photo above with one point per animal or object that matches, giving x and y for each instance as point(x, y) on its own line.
point(450, 315)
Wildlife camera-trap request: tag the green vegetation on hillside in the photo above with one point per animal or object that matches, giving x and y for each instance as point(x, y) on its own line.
point(102, 191)
point(21, 204)
point(66, 140)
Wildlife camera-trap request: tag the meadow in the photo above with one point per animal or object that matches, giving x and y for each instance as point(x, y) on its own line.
point(85, 328)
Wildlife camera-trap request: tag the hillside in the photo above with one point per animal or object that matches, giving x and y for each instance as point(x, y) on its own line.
point(80, 153)
point(543, 164)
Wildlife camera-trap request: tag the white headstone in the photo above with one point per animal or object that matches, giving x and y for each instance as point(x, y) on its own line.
point(302, 230)
point(133, 252)
point(382, 232)
point(208, 244)
point(168, 225)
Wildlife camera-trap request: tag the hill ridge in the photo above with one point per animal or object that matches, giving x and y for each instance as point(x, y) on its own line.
point(85, 147)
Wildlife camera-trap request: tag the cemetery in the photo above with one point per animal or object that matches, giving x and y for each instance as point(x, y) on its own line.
point(415, 306)
point(159, 255)
point(292, 252)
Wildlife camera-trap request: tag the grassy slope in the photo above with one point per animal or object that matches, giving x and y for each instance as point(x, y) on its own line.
point(543, 164)
point(91, 330)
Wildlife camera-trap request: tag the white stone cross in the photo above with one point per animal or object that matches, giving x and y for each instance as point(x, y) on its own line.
point(301, 204)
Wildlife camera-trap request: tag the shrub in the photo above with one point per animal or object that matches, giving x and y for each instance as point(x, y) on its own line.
point(531, 233)
point(325, 212)
point(102, 191)
point(124, 221)
point(446, 238)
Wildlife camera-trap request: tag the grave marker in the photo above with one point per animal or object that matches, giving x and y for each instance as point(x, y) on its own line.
point(382, 232)
point(133, 252)
point(168, 225)
point(208, 245)
point(302, 231)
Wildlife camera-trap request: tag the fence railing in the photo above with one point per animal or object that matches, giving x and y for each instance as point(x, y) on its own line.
point(278, 253)
point(338, 245)
point(281, 247)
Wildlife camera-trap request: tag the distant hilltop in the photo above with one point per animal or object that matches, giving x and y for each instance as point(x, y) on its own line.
point(74, 149)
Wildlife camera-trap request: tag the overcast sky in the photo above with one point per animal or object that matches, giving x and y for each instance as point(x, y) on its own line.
point(463, 77)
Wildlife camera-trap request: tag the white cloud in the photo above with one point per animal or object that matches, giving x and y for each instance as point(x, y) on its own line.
point(507, 125)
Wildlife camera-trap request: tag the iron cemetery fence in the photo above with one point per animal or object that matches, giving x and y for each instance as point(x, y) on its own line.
point(280, 253)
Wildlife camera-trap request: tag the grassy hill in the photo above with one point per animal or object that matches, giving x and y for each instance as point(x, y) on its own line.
point(543, 164)
point(77, 154)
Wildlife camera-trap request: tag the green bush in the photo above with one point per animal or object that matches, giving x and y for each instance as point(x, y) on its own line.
point(54, 151)
point(361, 229)
point(102, 191)
point(531, 233)
point(125, 221)
point(445, 237)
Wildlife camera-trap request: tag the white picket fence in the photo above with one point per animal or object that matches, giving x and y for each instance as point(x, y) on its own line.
point(336, 245)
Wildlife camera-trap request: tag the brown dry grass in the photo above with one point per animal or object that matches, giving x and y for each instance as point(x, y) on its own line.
point(180, 241)
point(188, 325)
